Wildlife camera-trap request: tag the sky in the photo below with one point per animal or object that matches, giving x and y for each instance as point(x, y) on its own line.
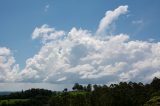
point(62, 42)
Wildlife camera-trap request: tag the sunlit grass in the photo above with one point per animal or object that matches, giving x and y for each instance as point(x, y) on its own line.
point(13, 101)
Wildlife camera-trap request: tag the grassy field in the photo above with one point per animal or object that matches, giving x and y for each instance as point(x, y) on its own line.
point(12, 101)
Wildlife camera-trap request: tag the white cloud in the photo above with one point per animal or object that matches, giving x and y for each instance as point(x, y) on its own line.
point(46, 33)
point(62, 79)
point(79, 56)
point(111, 16)
point(8, 68)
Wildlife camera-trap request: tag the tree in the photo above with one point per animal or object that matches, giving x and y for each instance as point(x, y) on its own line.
point(89, 88)
point(155, 84)
point(65, 90)
point(77, 87)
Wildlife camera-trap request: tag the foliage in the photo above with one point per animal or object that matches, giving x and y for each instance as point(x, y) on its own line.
point(155, 101)
point(13, 102)
point(122, 94)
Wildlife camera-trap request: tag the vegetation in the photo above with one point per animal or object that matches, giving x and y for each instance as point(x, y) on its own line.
point(122, 94)
point(155, 101)
point(13, 101)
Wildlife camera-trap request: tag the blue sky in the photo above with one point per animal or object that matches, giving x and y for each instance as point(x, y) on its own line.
point(20, 18)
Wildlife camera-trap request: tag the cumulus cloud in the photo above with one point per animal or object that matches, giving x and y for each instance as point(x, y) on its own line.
point(109, 17)
point(8, 68)
point(79, 56)
point(46, 33)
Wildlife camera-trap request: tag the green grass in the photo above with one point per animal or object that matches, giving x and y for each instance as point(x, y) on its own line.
point(12, 101)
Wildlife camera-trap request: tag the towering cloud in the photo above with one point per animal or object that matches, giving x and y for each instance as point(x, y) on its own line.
point(109, 17)
point(81, 57)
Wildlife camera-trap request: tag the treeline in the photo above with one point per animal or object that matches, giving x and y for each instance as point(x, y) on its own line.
point(31, 97)
point(122, 94)
point(31, 93)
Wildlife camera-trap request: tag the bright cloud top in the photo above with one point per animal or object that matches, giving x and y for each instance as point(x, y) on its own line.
point(109, 17)
point(79, 56)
